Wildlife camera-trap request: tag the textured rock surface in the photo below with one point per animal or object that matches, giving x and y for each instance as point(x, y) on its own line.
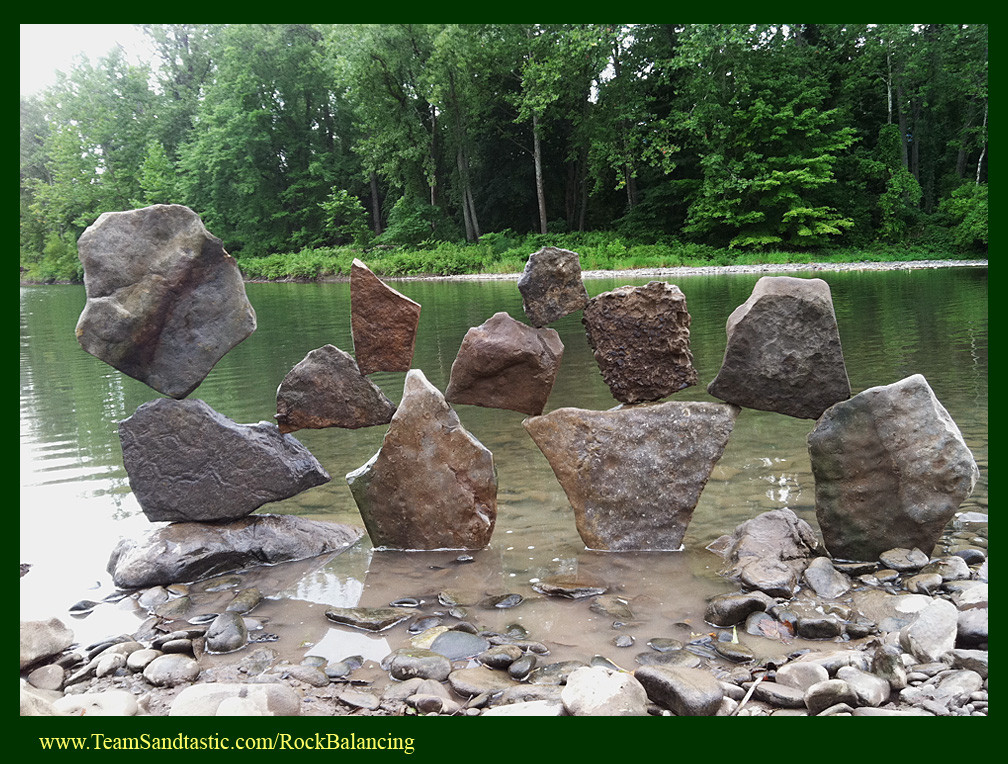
point(634, 475)
point(327, 389)
point(505, 364)
point(188, 551)
point(551, 285)
point(187, 462)
point(271, 699)
point(783, 352)
point(596, 691)
point(432, 485)
point(165, 301)
point(640, 338)
point(685, 691)
point(383, 323)
point(890, 468)
point(41, 639)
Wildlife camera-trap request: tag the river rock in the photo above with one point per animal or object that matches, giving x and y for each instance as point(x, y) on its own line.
point(171, 670)
point(43, 639)
point(106, 703)
point(551, 285)
point(634, 475)
point(165, 301)
point(640, 338)
point(409, 663)
point(871, 690)
point(769, 552)
point(733, 609)
point(783, 352)
point(368, 619)
point(270, 699)
point(187, 462)
point(459, 645)
point(188, 551)
point(972, 628)
point(824, 695)
point(801, 675)
point(595, 691)
point(432, 485)
point(227, 633)
point(933, 633)
point(527, 708)
point(827, 582)
point(383, 323)
point(470, 682)
point(505, 364)
point(890, 469)
point(685, 691)
point(327, 389)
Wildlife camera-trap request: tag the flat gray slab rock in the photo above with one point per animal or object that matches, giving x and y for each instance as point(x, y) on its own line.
point(188, 551)
point(505, 364)
point(551, 285)
point(783, 352)
point(432, 485)
point(634, 475)
point(383, 322)
point(641, 341)
point(327, 389)
point(187, 462)
point(165, 301)
point(890, 468)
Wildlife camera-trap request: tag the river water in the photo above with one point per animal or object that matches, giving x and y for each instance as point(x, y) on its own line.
point(75, 500)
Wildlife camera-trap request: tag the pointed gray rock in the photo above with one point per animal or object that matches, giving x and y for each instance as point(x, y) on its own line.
point(187, 462)
point(383, 322)
point(641, 341)
point(165, 301)
point(505, 364)
point(634, 475)
point(432, 485)
point(327, 389)
point(783, 352)
point(890, 469)
point(551, 285)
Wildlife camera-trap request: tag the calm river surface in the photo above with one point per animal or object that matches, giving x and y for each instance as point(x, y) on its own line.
point(76, 501)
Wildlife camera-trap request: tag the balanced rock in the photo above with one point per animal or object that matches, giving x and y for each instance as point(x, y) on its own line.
point(783, 352)
point(327, 389)
point(188, 551)
point(505, 364)
point(187, 462)
point(641, 341)
point(551, 285)
point(383, 322)
point(890, 469)
point(634, 475)
point(432, 485)
point(165, 301)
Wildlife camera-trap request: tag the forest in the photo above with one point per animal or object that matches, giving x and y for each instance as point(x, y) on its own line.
point(446, 148)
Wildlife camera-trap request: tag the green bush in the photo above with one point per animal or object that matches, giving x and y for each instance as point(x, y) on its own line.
point(966, 213)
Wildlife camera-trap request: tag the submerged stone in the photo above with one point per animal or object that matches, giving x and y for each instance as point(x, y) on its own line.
point(383, 323)
point(551, 286)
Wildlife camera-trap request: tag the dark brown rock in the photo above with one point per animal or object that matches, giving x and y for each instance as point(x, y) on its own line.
point(327, 389)
point(783, 352)
point(187, 462)
point(383, 323)
point(505, 364)
point(640, 337)
point(551, 285)
point(634, 475)
point(165, 301)
point(890, 469)
point(188, 551)
point(432, 485)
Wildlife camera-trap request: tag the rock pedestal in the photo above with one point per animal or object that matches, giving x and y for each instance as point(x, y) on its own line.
point(187, 462)
point(327, 389)
point(551, 285)
point(783, 352)
point(890, 469)
point(165, 301)
point(432, 485)
point(640, 338)
point(383, 323)
point(505, 364)
point(634, 475)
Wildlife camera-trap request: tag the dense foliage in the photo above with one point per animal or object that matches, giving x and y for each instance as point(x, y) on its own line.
point(447, 148)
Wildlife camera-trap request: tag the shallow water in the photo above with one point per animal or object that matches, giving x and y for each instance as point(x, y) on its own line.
point(76, 501)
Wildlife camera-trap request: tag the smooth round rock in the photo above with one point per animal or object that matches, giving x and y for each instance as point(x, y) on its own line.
point(171, 670)
point(227, 633)
point(140, 659)
point(458, 645)
point(407, 663)
point(595, 691)
point(107, 703)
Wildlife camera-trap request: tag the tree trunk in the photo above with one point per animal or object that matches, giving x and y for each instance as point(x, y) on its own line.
point(983, 151)
point(375, 206)
point(540, 189)
point(464, 179)
point(901, 117)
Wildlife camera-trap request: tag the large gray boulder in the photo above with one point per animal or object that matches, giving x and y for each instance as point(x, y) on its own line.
point(43, 639)
point(890, 469)
point(684, 691)
point(783, 352)
point(633, 475)
point(165, 301)
point(640, 338)
point(383, 322)
point(327, 389)
point(432, 485)
point(188, 551)
point(551, 285)
point(187, 462)
point(505, 364)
